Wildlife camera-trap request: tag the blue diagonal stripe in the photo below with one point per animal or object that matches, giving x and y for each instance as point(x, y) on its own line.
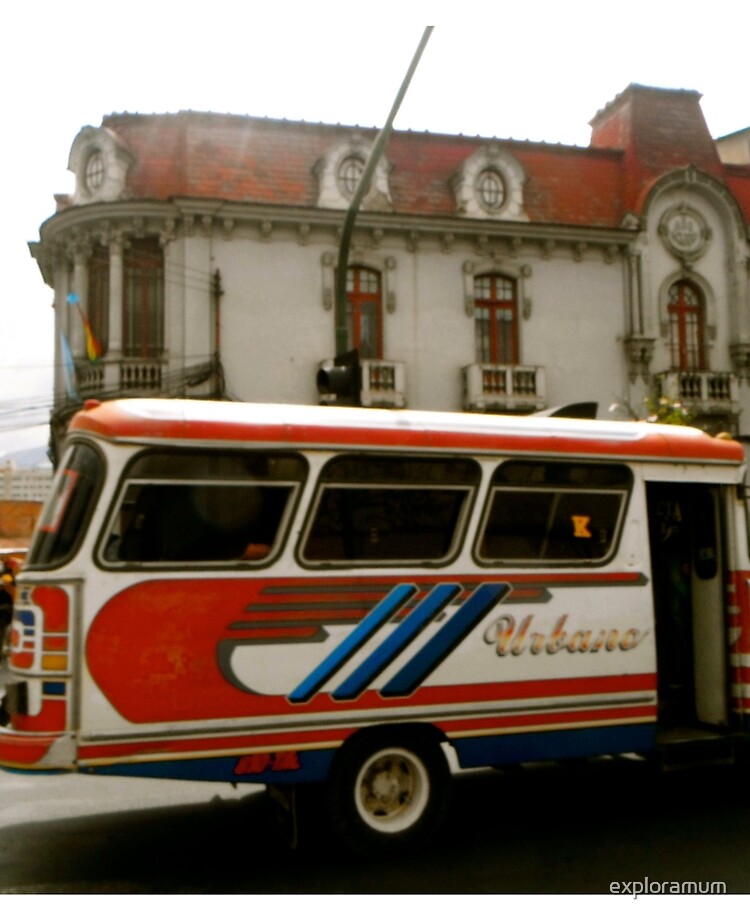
point(405, 633)
point(442, 643)
point(379, 615)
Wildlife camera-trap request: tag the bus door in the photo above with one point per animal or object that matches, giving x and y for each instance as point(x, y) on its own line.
point(687, 562)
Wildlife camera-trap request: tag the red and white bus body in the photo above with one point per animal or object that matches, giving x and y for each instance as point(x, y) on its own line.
point(520, 588)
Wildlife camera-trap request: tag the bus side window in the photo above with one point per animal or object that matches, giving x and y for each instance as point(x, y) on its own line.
point(381, 509)
point(553, 512)
point(212, 519)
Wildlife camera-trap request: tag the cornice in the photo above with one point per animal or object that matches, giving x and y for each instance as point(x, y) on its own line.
point(190, 216)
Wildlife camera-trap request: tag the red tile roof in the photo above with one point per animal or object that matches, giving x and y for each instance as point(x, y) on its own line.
point(637, 138)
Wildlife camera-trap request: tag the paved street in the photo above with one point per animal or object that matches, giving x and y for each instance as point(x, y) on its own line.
point(572, 828)
point(544, 830)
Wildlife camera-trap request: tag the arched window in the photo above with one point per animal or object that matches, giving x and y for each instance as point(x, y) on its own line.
point(686, 327)
point(495, 319)
point(143, 299)
point(364, 311)
point(98, 297)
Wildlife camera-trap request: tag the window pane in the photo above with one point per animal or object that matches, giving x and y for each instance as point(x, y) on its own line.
point(516, 526)
point(482, 335)
point(505, 289)
point(491, 189)
point(368, 341)
point(98, 297)
point(143, 299)
point(369, 282)
point(196, 522)
point(482, 287)
point(379, 524)
point(401, 471)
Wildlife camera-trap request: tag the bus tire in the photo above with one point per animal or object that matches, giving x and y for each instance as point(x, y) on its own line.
point(388, 792)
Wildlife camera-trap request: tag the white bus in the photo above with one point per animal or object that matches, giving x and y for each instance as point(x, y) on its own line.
point(286, 594)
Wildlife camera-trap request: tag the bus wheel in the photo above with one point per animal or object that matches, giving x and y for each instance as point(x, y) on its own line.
point(387, 793)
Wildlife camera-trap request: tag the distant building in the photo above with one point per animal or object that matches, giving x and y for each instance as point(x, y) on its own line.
point(24, 485)
point(197, 256)
point(17, 520)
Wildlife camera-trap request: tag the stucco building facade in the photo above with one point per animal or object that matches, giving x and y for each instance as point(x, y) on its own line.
point(198, 254)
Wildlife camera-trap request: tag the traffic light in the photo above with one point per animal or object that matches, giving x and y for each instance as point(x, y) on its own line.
point(340, 384)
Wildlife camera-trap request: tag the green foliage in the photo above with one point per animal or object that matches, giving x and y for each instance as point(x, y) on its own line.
point(667, 411)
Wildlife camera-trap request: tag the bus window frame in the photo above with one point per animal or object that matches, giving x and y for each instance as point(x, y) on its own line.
point(625, 490)
point(460, 532)
point(282, 536)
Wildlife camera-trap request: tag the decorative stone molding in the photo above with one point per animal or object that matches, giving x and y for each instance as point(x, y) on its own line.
point(685, 233)
point(227, 228)
point(630, 221)
point(469, 269)
point(610, 253)
point(447, 241)
point(739, 353)
point(639, 351)
point(168, 232)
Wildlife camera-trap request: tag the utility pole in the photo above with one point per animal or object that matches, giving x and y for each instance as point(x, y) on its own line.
point(362, 188)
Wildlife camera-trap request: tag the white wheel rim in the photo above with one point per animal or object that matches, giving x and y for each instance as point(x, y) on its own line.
point(392, 790)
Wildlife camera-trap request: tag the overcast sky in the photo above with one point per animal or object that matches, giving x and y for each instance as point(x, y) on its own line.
point(538, 70)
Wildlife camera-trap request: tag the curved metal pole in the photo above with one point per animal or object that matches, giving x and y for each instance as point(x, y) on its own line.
point(362, 188)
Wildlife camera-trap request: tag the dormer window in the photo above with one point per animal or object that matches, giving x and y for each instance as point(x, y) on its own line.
point(100, 162)
point(350, 172)
point(491, 190)
point(338, 173)
point(489, 185)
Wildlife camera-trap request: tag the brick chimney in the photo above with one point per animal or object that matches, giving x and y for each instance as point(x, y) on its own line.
point(658, 130)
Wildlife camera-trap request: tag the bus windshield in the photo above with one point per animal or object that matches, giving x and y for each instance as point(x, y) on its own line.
point(65, 515)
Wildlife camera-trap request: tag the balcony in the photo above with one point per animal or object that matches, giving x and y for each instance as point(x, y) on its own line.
point(141, 374)
point(383, 384)
point(701, 392)
point(126, 376)
point(503, 388)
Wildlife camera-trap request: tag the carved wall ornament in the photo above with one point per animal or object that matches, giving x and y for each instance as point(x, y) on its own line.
point(685, 233)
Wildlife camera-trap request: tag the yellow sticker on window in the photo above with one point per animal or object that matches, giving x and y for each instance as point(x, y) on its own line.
point(581, 526)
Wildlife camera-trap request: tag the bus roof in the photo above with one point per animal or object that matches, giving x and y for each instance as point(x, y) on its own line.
point(203, 422)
